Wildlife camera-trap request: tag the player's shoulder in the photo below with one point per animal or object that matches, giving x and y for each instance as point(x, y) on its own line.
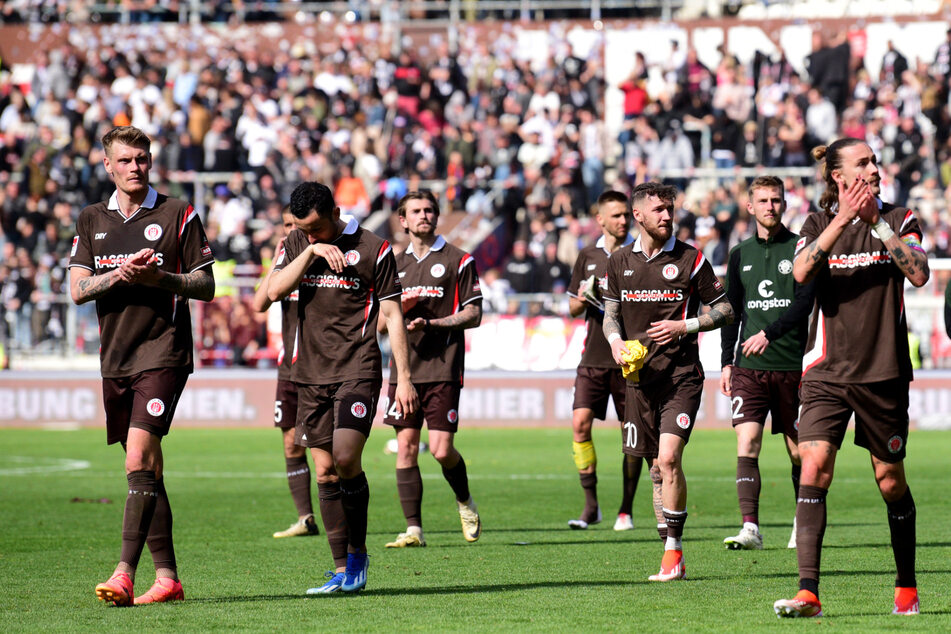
point(173, 204)
point(92, 211)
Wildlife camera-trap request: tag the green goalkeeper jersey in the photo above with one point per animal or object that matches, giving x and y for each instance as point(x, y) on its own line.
point(764, 295)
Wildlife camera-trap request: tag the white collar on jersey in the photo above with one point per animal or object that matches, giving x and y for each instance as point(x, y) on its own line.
point(437, 246)
point(151, 199)
point(351, 228)
point(668, 246)
point(600, 243)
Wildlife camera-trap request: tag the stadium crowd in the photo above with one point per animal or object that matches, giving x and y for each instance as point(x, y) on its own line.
point(503, 138)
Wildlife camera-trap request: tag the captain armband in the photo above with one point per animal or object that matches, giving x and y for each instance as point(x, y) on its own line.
point(584, 455)
point(912, 241)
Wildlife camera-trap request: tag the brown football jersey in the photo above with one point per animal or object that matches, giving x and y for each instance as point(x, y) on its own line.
point(142, 327)
point(446, 280)
point(335, 337)
point(859, 330)
point(670, 285)
point(593, 260)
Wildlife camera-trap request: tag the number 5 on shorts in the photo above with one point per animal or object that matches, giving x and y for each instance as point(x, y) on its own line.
point(278, 413)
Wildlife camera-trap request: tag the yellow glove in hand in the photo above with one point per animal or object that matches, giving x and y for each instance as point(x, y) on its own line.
point(633, 359)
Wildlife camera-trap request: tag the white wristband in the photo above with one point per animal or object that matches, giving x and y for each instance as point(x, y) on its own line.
point(612, 337)
point(693, 325)
point(882, 230)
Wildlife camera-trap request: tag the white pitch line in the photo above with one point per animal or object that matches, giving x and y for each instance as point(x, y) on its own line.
point(32, 465)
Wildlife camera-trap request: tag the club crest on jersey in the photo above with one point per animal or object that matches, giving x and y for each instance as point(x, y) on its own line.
point(437, 270)
point(153, 232)
point(352, 257)
point(683, 420)
point(670, 271)
point(452, 416)
point(358, 409)
point(895, 443)
point(155, 407)
point(800, 243)
point(785, 267)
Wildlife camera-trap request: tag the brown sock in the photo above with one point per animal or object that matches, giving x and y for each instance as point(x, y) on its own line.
point(139, 508)
point(589, 483)
point(901, 523)
point(335, 522)
point(355, 499)
point(458, 480)
point(810, 528)
point(409, 485)
point(748, 487)
point(298, 479)
point(675, 523)
point(160, 535)
point(631, 472)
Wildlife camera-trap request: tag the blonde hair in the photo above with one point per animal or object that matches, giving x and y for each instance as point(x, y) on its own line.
point(125, 135)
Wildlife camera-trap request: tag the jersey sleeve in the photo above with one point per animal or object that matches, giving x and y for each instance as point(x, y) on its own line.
point(195, 250)
point(467, 282)
point(803, 299)
point(577, 272)
point(386, 278)
point(293, 246)
point(705, 281)
point(734, 292)
point(808, 233)
point(910, 231)
point(80, 254)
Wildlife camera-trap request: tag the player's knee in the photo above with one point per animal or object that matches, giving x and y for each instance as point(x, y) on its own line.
point(294, 451)
point(891, 485)
point(668, 463)
point(444, 454)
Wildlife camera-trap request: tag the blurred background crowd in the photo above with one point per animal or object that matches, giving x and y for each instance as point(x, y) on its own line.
point(518, 151)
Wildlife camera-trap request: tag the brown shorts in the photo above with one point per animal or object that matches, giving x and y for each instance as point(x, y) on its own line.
point(323, 408)
point(661, 408)
point(285, 405)
point(593, 386)
point(881, 415)
point(757, 393)
point(438, 404)
point(146, 400)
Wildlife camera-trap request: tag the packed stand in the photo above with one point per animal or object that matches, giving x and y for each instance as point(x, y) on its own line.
point(528, 146)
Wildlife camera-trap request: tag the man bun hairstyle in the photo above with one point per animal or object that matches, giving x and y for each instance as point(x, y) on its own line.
point(830, 159)
point(312, 196)
point(126, 135)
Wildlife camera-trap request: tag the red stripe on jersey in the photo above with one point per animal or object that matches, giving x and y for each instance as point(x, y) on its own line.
point(366, 309)
point(455, 300)
point(384, 249)
point(697, 264)
point(189, 214)
point(296, 333)
point(683, 313)
point(908, 217)
point(820, 342)
point(464, 261)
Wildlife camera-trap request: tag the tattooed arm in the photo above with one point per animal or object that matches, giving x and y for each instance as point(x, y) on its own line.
point(815, 255)
point(911, 261)
point(612, 330)
point(85, 287)
point(469, 317)
point(198, 284)
point(669, 330)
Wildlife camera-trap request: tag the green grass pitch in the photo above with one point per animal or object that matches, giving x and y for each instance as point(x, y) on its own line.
point(527, 573)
